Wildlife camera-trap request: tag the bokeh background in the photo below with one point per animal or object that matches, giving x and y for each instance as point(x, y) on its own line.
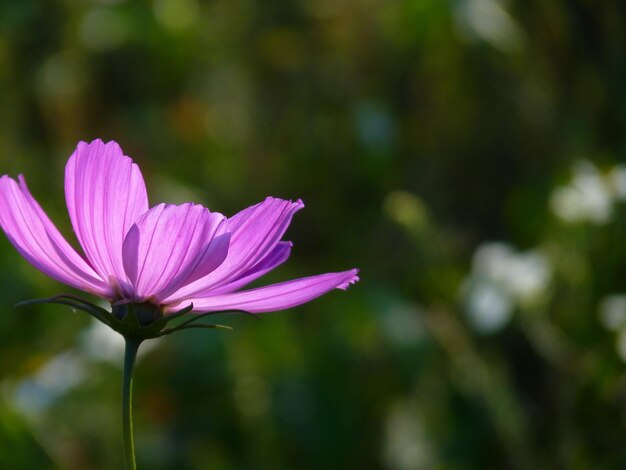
point(465, 154)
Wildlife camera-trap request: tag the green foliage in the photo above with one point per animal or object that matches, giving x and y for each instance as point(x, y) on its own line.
point(18, 448)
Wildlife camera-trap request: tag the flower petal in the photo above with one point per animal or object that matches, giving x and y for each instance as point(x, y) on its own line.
point(105, 195)
point(170, 246)
point(275, 297)
point(276, 257)
point(34, 235)
point(255, 232)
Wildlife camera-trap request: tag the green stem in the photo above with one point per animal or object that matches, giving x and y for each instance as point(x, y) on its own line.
point(130, 354)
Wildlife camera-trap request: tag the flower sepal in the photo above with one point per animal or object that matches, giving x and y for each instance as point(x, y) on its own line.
point(76, 303)
point(135, 321)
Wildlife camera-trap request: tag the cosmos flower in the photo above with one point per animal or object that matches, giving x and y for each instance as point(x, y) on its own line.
point(168, 256)
point(153, 264)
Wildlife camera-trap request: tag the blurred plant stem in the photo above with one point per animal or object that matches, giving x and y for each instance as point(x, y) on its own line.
point(130, 354)
point(488, 382)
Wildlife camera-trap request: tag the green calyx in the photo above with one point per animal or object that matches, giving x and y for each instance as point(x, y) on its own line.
point(145, 313)
point(135, 321)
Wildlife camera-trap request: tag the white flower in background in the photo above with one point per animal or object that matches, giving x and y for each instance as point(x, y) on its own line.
point(501, 279)
point(488, 307)
point(406, 445)
point(612, 313)
point(617, 181)
point(54, 379)
point(62, 373)
point(488, 20)
point(523, 274)
point(589, 195)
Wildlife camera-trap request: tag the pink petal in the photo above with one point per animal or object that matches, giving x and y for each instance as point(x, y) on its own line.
point(276, 257)
point(34, 235)
point(275, 297)
point(105, 195)
point(170, 246)
point(255, 232)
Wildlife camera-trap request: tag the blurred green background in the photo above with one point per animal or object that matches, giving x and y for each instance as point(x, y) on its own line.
point(465, 154)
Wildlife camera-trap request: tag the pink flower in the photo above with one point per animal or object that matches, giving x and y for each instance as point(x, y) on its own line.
point(168, 256)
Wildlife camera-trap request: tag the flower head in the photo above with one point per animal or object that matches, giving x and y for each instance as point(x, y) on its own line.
point(160, 259)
